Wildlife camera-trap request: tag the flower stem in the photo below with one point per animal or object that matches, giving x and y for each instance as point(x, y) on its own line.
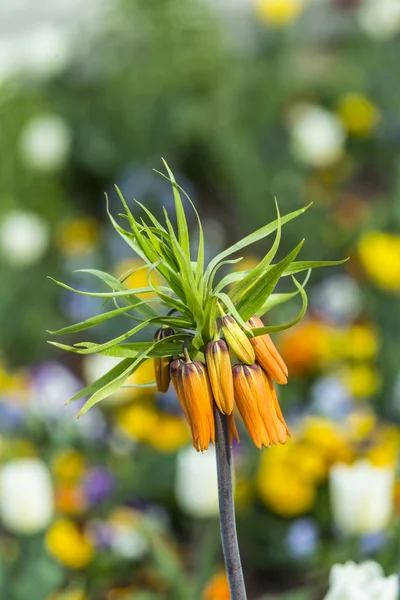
point(230, 545)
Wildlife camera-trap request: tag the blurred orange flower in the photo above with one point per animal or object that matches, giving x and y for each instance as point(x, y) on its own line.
point(217, 589)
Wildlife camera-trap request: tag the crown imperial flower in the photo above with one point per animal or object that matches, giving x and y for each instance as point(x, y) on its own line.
point(193, 310)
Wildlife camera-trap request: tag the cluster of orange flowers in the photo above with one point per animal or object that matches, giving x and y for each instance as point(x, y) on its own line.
point(249, 384)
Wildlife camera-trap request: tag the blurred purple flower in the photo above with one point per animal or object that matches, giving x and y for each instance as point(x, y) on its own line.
point(98, 485)
point(302, 538)
point(371, 543)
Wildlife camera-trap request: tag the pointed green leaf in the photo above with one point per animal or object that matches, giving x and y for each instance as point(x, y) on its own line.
point(254, 298)
point(298, 267)
point(183, 234)
point(102, 381)
point(252, 238)
point(92, 322)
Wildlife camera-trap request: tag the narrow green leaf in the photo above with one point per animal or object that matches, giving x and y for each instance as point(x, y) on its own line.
point(254, 298)
point(252, 238)
point(92, 322)
point(277, 299)
point(110, 387)
point(299, 266)
point(221, 284)
point(274, 328)
point(102, 381)
point(247, 281)
point(183, 234)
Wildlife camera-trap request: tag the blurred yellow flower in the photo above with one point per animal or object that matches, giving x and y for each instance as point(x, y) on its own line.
point(137, 421)
point(279, 13)
point(360, 342)
point(78, 236)
point(170, 434)
point(361, 380)
point(165, 432)
point(68, 465)
point(359, 115)
point(362, 423)
point(380, 255)
point(282, 490)
point(217, 588)
point(328, 439)
point(69, 545)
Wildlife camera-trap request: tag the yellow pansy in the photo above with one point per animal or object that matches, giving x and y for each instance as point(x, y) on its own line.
point(284, 492)
point(68, 465)
point(69, 545)
point(361, 380)
point(359, 115)
point(78, 236)
point(380, 255)
point(279, 13)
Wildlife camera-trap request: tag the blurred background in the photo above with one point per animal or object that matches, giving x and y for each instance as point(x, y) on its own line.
point(247, 100)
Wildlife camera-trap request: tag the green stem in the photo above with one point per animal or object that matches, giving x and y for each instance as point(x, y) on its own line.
point(230, 545)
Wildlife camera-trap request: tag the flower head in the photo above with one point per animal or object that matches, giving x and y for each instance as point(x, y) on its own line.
point(196, 317)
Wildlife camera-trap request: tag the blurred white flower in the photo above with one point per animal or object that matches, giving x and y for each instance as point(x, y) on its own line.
point(361, 497)
point(365, 581)
point(24, 237)
point(26, 496)
point(317, 135)
point(97, 365)
point(128, 543)
point(337, 298)
point(196, 487)
point(380, 19)
point(48, 51)
point(45, 143)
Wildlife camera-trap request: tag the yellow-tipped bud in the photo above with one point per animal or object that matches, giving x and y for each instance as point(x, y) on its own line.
point(198, 398)
point(220, 373)
point(257, 403)
point(237, 340)
point(267, 354)
point(249, 385)
point(161, 365)
point(175, 371)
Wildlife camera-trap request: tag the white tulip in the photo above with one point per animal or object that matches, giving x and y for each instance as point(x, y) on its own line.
point(361, 497)
point(45, 143)
point(361, 582)
point(317, 136)
point(24, 238)
point(26, 496)
point(380, 19)
point(196, 487)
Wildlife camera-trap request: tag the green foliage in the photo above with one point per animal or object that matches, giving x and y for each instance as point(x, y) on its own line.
point(190, 290)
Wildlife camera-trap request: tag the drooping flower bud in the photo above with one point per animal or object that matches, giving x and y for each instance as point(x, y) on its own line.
point(248, 385)
point(175, 368)
point(257, 403)
point(237, 340)
point(161, 365)
point(198, 397)
point(220, 373)
point(267, 354)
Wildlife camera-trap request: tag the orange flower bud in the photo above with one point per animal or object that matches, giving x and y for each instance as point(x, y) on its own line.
point(220, 373)
point(175, 371)
point(258, 405)
point(200, 403)
point(249, 386)
point(161, 365)
point(237, 340)
point(267, 354)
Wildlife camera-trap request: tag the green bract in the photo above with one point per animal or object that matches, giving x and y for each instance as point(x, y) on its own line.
point(190, 290)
